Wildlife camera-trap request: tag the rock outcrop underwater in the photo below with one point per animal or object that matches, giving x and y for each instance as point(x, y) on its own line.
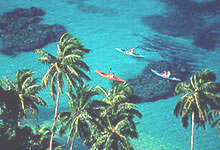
point(20, 30)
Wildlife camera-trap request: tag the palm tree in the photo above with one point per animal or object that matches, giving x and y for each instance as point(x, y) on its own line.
point(115, 123)
point(67, 64)
point(77, 118)
point(117, 99)
point(20, 95)
point(41, 138)
point(199, 97)
point(113, 135)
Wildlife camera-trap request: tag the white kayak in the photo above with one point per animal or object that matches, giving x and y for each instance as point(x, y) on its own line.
point(131, 54)
point(169, 78)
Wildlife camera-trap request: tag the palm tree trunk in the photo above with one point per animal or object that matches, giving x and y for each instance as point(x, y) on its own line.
point(54, 120)
point(19, 120)
point(19, 123)
point(72, 143)
point(192, 130)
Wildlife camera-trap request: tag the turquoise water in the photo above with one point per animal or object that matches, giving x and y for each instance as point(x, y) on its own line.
point(102, 25)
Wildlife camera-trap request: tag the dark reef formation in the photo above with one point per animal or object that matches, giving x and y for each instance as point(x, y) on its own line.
point(181, 61)
point(189, 19)
point(20, 30)
point(150, 87)
point(174, 52)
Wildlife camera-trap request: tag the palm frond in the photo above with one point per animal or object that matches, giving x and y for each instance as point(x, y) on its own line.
point(208, 75)
point(71, 82)
point(73, 128)
point(67, 50)
point(185, 120)
point(125, 144)
point(108, 143)
point(79, 52)
point(45, 60)
point(181, 87)
point(82, 65)
point(39, 100)
point(75, 41)
point(32, 90)
point(70, 59)
point(135, 112)
point(45, 54)
point(22, 102)
point(121, 124)
point(103, 91)
point(29, 82)
point(7, 84)
point(216, 122)
point(179, 105)
point(46, 77)
point(210, 86)
point(82, 74)
point(200, 111)
point(99, 142)
point(65, 36)
point(64, 127)
point(52, 85)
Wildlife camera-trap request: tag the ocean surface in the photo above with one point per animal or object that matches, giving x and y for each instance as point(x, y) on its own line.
point(103, 25)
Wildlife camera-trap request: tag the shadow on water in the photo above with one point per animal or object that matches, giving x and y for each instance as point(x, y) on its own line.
point(189, 19)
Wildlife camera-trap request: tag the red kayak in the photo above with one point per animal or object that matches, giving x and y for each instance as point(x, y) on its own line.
point(106, 75)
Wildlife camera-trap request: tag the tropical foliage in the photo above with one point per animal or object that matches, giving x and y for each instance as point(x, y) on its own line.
point(68, 64)
point(199, 96)
point(77, 119)
point(25, 138)
point(104, 119)
point(20, 95)
point(115, 123)
point(216, 113)
point(41, 137)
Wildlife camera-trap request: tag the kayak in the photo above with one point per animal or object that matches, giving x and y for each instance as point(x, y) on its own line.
point(131, 54)
point(106, 75)
point(169, 78)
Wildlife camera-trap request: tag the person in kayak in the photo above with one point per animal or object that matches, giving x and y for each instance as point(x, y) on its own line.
point(111, 73)
point(166, 74)
point(131, 51)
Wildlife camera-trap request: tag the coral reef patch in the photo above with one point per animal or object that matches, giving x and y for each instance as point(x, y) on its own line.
point(149, 87)
point(188, 19)
point(20, 30)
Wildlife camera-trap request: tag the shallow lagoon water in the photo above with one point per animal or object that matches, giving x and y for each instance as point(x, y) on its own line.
point(101, 26)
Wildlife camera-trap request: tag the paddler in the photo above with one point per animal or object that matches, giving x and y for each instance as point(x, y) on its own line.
point(166, 74)
point(131, 51)
point(111, 73)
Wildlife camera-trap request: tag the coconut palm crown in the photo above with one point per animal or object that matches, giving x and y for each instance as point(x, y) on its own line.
point(115, 124)
point(117, 100)
point(199, 96)
point(67, 64)
point(22, 91)
point(76, 120)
